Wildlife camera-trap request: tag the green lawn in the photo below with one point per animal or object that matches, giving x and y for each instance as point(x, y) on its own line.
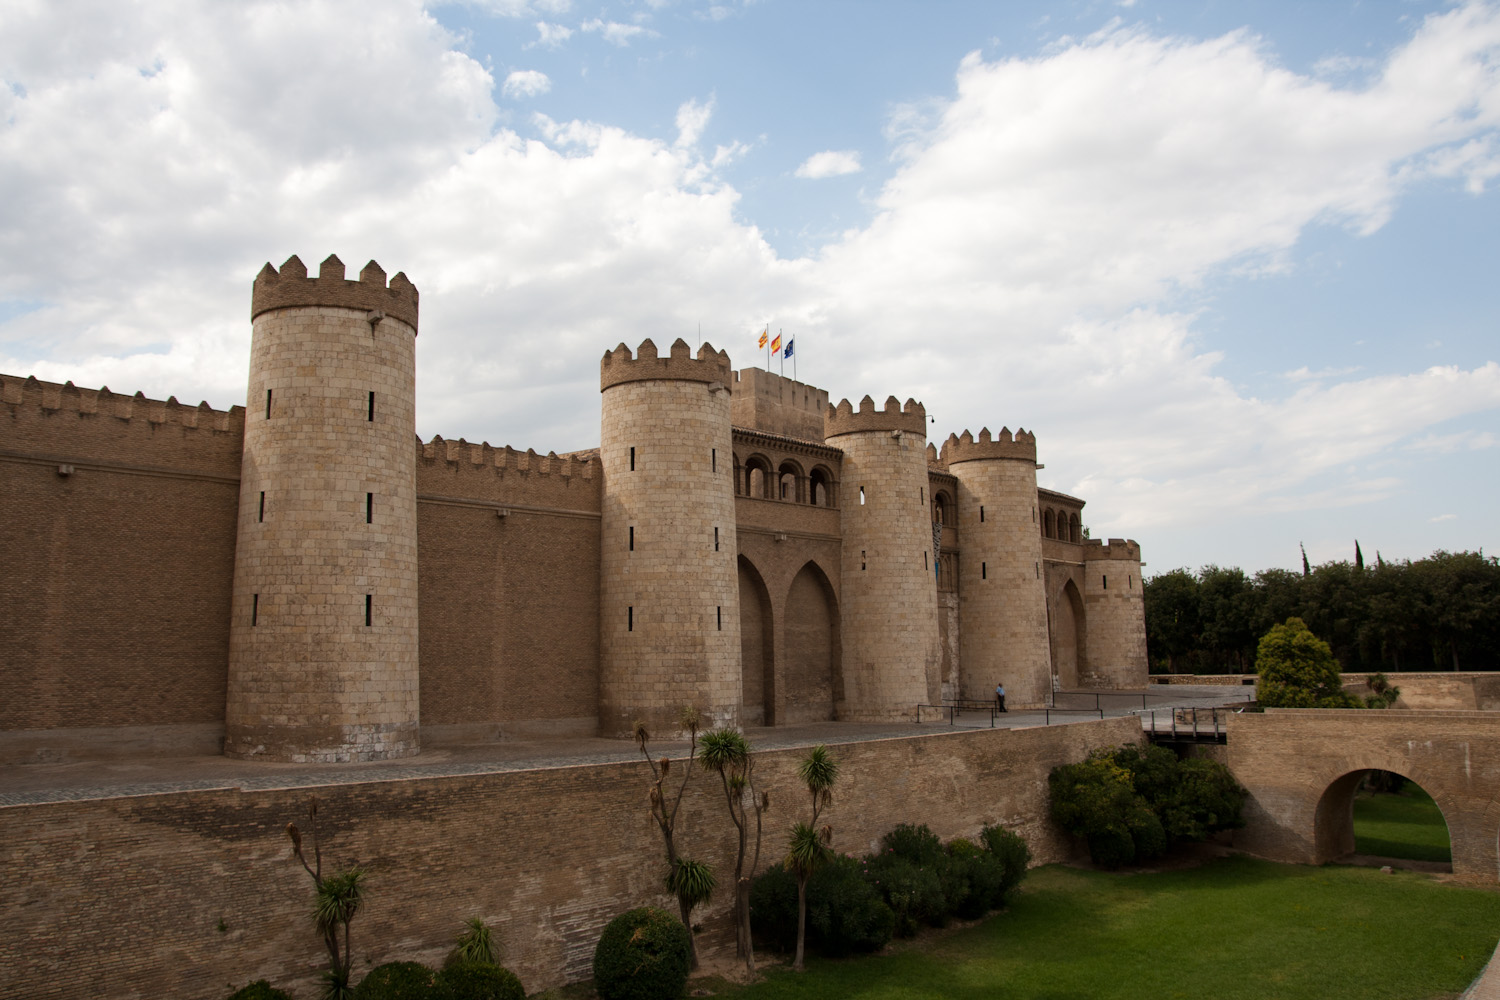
point(1235, 928)
point(1402, 825)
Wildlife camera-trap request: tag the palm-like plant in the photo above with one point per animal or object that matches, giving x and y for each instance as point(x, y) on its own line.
point(692, 882)
point(727, 751)
point(809, 846)
point(475, 943)
point(337, 899)
point(664, 806)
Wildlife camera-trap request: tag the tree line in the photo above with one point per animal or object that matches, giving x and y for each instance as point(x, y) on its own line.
point(1437, 613)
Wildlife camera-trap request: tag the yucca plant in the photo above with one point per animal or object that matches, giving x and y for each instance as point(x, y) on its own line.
point(475, 943)
point(808, 847)
point(664, 806)
point(727, 751)
point(337, 899)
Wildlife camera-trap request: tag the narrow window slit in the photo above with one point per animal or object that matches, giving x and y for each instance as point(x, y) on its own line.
point(268, 404)
point(369, 508)
point(369, 608)
point(261, 515)
point(372, 406)
point(254, 608)
point(630, 618)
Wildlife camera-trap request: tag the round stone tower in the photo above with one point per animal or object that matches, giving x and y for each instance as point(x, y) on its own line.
point(669, 615)
point(891, 652)
point(323, 641)
point(1002, 610)
point(1116, 622)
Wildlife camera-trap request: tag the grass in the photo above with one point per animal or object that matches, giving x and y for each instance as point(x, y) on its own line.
point(1234, 929)
point(1405, 824)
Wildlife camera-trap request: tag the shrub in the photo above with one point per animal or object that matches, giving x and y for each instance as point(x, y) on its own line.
point(983, 876)
point(914, 893)
point(916, 844)
point(396, 981)
point(845, 913)
point(259, 990)
point(643, 954)
point(477, 981)
point(1205, 798)
point(1014, 855)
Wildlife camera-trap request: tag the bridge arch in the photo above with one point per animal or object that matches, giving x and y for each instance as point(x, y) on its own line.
point(1333, 817)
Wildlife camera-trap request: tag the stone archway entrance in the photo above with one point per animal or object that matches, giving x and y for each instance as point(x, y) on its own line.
point(757, 649)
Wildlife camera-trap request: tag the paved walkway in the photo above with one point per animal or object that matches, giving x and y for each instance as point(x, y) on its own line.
point(95, 779)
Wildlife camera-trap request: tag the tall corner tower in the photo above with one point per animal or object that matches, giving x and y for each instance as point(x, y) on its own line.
point(323, 641)
point(889, 585)
point(1115, 625)
point(1002, 597)
point(669, 628)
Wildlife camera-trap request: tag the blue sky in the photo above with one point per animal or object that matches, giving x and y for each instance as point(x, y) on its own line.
point(1231, 262)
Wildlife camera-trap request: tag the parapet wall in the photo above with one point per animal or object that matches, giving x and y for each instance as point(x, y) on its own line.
point(292, 287)
point(844, 419)
point(546, 857)
point(774, 404)
point(1127, 549)
point(462, 470)
point(710, 366)
point(965, 448)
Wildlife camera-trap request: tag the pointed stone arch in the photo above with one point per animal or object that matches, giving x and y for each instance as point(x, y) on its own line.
point(757, 648)
point(1069, 628)
point(811, 684)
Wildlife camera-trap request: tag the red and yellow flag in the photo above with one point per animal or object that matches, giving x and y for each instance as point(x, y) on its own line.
point(776, 344)
point(763, 335)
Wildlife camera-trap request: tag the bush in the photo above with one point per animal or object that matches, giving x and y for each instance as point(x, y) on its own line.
point(983, 877)
point(259, 990)
point(845, 913)
point(914, 893)
point(916, 844)
point(1014, 855)
point(643, 954)
point(396, 981)
point(1205, 798)
point(1297, 670)
point(477, 981)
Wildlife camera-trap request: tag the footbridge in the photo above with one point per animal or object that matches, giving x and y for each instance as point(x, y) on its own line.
point(1302, 767)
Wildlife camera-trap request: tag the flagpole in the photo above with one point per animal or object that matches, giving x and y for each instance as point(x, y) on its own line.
point(780, 333)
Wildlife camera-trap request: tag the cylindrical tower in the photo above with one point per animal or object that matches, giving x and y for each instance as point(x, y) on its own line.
point(1116, 622)
point(323, 642)
point(669, 613)
point(889, 584)
point(1002, 609)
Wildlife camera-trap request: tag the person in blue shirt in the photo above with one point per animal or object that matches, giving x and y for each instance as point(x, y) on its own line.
point(1000, 696)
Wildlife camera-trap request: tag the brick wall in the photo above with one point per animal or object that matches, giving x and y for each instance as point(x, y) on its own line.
point(125, 897)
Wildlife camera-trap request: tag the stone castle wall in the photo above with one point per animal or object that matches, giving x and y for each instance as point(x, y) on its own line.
point(1114, 601)
point(204, 894)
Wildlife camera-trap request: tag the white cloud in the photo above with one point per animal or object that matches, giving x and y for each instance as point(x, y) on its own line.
point(830, 163)
point(1442, 517)
point(1019, 269)
point(550, 36)
point(616, 33)
point(526, 83)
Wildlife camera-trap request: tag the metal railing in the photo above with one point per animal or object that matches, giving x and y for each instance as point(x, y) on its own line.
point(957, 708)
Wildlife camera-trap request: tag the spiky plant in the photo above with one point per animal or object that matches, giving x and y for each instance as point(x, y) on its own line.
point(475, 943)
point(664, 806)
point(692, 882)
point(337, 898)
point(727, 752)
point(808, 847)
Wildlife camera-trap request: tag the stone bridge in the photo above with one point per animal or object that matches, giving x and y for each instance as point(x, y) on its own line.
point(1302, 767)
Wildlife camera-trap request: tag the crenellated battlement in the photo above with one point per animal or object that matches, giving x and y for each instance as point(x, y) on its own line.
point(51, 398)
point(710, 366)
point(291, 287)
point(966, 448)
point(1116, 548)
point(484, 456)
point(844, 419)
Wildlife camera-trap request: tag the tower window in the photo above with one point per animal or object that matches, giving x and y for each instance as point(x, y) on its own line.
point(921, 495)
point(369, 608)
point(632, 538)
point(984, 571)
point(924, 559)
point(1130, 582)
point(254, 608)
point(981, 513)
point(632, 459)
point(861, 496)
point(1038, 571)
point(861, 559)
point(630, 618)
point(716, 538)
point(372, 406)
point(369, 508)
point(714, 458)
point(1105, 578)
point(719, 611)
point(261, 516)
point(268, 404)
point(1033, 514)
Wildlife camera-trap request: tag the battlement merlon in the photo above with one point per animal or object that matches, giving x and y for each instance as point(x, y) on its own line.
point(1127, 549)
point(49, 396)
point(965, 448)
point(465, 454)
point(710, 367)
point(844, 419)
point(291, 287)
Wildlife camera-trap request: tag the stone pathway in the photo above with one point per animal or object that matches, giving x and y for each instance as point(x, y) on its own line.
point(95, 779)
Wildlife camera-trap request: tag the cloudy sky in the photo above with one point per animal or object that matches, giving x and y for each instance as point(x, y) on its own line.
point(1235, 264)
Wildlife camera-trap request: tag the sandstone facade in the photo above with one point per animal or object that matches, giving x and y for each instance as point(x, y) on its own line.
point(181, 576)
